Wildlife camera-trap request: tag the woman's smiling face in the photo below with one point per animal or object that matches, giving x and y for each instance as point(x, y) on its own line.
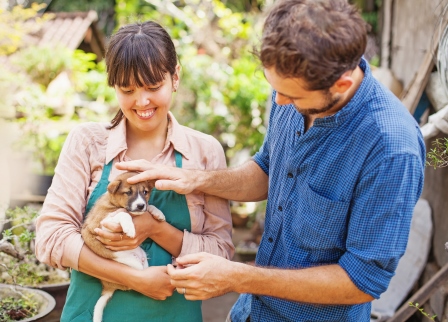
point(146, 108)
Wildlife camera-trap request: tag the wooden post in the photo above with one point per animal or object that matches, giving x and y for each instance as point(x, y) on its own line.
point(422, 295)
point(386, 16)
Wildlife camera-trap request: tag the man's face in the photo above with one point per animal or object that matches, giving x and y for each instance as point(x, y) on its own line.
point(317, 103)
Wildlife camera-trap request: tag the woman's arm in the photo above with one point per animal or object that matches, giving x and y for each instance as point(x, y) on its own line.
point(211, 220)
point(58, 226)
point(153, 281)
point(167, 236)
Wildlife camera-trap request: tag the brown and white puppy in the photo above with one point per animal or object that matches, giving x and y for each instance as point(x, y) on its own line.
point(119, 204)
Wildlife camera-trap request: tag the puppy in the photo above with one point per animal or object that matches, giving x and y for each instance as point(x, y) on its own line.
point(119, 204)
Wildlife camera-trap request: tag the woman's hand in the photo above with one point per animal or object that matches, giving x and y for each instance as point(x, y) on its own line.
point(116, 240)
point(153, 282)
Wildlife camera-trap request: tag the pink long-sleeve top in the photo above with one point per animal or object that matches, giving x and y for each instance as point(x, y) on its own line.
point(88, 148)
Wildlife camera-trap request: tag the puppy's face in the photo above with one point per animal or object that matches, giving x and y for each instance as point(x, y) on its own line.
point(134, 198)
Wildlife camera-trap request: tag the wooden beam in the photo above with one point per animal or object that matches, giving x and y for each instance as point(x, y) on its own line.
point(386, 33)
point(422, 295)
point(411, 95)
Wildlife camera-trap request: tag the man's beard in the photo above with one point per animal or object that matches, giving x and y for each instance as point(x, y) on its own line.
point(330, 102)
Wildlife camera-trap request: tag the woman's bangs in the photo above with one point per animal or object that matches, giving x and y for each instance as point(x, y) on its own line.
point(139, 65)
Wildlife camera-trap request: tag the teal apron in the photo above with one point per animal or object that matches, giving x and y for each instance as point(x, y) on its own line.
point(85, 290)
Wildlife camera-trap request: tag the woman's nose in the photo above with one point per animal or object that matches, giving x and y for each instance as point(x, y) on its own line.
point(143, 98)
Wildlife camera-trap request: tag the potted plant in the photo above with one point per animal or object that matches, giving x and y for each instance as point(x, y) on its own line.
point(19, 265)
point(24, 304)
point(59, 88)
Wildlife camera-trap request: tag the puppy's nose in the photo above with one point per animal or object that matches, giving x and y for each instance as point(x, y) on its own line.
point(140, 206)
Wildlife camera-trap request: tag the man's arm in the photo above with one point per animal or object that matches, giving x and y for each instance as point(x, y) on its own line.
point(207, 276)
point(247, 182)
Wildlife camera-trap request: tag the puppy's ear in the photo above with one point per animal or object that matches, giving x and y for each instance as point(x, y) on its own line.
point(150, 184)
point(114, 186)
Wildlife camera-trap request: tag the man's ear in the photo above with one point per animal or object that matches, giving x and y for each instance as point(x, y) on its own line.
point(343, 83)
point(114, 186)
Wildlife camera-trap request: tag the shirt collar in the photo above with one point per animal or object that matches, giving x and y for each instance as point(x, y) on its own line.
point(356, 102)
point(177, 137)
point(116, 143)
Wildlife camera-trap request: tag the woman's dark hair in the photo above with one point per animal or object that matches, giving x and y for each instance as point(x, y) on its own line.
point(316, 40)
point(139, 54)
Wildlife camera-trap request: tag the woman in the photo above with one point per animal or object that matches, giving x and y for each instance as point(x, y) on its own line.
point(142, 67)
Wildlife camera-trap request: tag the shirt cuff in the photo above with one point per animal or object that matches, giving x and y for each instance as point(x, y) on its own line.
point(72, 250)
point(193, 243)
point(368, 277)
point(189, 244)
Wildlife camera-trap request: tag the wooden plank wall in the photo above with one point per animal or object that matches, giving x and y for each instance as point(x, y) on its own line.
point(407, 36)
point(412, 25)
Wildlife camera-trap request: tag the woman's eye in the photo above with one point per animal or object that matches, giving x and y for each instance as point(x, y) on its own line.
point(153, 89)
point(126, 90)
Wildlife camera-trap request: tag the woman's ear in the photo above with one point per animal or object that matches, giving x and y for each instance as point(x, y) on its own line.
point(176, 78)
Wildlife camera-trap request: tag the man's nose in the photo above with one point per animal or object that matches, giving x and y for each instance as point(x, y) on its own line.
point(282, 100)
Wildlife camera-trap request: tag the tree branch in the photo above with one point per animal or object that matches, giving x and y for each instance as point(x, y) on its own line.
point(8, 248)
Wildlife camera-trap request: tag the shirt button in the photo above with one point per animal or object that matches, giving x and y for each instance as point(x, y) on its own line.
point(290, 175)
point(298, 133)
point(270, 239)
point(280, 208)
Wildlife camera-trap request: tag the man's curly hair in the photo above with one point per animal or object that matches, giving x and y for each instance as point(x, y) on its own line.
point(316, 40)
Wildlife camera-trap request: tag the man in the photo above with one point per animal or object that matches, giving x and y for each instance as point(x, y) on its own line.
point(341, 167)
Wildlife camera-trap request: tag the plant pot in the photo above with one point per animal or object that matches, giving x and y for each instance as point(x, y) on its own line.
point(45, 300)
point(238, 220)
point(39, 184)
point(58, 291)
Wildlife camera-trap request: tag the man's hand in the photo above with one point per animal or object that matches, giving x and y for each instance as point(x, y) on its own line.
point(203, 276)
point(168, 178)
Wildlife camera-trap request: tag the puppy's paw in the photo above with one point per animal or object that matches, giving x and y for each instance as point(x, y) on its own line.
point(129, 229)
point(156, 213)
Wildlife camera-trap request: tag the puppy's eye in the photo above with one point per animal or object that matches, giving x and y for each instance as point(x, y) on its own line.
point(145, 192)
point(128, 192)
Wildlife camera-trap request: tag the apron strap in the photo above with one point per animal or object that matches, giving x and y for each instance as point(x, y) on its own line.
point(106, 171)
point(178, 158)
point(100, 188)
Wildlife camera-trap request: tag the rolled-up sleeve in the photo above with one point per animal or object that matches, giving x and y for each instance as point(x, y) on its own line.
point(379, 224)
point(58, 237)
point(213, 232)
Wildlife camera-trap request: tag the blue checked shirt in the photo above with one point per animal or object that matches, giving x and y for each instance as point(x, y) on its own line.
point(341, 193)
